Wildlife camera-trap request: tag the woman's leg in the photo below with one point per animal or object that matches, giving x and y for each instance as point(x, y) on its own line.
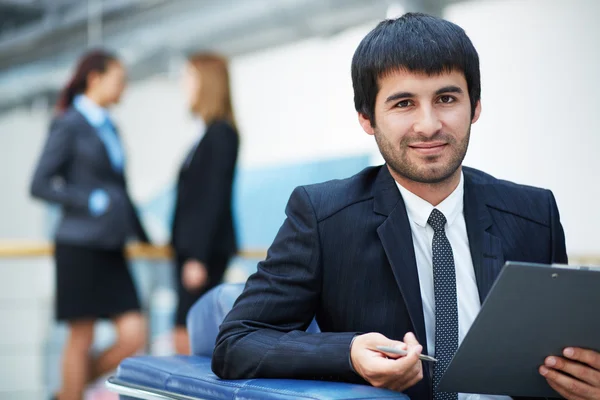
point(76, 361)
point(181, 340)
point(131, 338)
point(185, 299)
point(216, 270)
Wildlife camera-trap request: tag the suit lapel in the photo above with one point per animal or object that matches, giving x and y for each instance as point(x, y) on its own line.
point(100, 143)
point(396, 237)
point(486, 249)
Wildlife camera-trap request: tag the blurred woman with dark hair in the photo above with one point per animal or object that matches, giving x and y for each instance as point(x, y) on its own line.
point(203, 234)
point(81, 168)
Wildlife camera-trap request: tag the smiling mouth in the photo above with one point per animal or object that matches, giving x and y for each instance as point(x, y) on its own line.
point(429, 148)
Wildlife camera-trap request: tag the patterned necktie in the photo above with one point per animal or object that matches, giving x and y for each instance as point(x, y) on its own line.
point(446, 309)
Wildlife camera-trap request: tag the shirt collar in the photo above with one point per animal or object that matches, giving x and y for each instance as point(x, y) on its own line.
point(419, 210)
point(95, 114)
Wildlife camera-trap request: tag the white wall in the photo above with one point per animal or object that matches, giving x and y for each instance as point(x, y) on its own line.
point(539, 125)
point(25, 284)
point(296, 102)
point(157, 132)
point(21, 136)
point(292, 103)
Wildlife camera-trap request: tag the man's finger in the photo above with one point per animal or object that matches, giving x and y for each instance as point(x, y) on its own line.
point(589, 357)
point(373, 339)
point(401, 380)
point(413, 381)
point(568, 384)
point(410, 339)
point(564, 393)
point(411, 359)
point(388, 372)
point(385, 342)
point(392, 356)
point(394, 343)
point(576, 369)
point(401, 365)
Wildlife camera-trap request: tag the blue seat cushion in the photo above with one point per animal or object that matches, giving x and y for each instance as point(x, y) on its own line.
point(208, 313)
point(192, 376)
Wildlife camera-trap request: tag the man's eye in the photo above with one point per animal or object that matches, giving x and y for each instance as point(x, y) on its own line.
point(403, 104)
point(447, 99)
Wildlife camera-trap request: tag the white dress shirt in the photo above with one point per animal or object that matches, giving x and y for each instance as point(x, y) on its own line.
point(418, 211)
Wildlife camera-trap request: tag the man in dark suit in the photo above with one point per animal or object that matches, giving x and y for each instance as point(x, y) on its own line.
point(402, 254)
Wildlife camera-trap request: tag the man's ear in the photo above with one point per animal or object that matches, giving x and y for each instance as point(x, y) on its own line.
point(477, 112)
point(366, 124)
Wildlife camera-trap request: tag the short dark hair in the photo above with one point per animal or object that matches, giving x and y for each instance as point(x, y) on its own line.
point(417, 43)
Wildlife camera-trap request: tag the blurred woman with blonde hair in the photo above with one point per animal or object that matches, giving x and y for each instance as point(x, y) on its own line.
point(203, 235)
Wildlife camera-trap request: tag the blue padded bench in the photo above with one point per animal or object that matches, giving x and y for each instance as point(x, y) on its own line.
point(190, 377)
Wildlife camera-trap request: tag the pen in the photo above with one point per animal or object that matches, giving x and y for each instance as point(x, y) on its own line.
point(393, 350)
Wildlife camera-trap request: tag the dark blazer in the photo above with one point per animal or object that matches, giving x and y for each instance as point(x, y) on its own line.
point(345, 255)
point(203, 223)
point(75, 162)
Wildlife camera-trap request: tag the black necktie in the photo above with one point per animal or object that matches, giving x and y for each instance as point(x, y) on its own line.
point(446, 309)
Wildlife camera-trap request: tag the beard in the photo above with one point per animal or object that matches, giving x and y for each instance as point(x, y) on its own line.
point(423, 169)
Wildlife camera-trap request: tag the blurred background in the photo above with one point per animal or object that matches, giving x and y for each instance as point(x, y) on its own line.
point(292, 92)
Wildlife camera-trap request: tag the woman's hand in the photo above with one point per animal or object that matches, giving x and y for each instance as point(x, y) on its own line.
point(194, 275)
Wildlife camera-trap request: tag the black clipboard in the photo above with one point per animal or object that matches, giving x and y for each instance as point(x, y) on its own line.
point(532, 311)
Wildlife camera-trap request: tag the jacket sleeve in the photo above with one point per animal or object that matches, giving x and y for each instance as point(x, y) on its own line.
point(559, 247)
point(264, 335)
point(211, 180)
point(138, 228)
point(48, 181)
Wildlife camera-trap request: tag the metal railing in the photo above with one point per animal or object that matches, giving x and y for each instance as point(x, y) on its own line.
point(29, 249)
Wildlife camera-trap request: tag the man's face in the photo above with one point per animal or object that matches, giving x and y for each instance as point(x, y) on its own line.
point(422, 124)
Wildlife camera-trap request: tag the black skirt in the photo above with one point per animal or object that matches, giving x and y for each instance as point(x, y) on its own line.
point(186, 299)
point(92, 283)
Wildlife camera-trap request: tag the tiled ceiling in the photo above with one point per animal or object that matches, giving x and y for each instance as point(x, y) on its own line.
point(39, 39)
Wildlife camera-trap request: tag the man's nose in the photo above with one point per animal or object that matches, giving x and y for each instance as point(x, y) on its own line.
point(428, 123)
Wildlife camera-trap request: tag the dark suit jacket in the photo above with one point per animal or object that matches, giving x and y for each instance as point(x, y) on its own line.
point(345, 255)
point(73, 163)
point(203, 222)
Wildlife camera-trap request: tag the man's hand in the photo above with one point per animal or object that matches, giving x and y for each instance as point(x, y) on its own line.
point(582, 365)
point(194, 275)
point(389, 371)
